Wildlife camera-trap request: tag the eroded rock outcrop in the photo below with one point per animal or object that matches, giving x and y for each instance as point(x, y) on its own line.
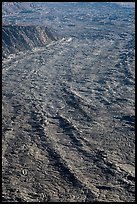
point(17, 38)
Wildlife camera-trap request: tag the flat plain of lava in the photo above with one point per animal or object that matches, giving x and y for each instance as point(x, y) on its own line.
point(68, 107)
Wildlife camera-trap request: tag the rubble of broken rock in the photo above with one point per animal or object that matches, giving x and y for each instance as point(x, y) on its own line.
point(68, 117)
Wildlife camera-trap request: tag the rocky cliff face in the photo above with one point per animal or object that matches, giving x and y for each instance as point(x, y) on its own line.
point(17, 38)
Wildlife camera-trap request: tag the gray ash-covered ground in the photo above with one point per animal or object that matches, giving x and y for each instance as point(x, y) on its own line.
point(68, 118)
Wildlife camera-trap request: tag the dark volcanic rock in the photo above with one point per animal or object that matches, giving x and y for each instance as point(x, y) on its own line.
point(17, 38)
point(68, 108)
point(14, 7)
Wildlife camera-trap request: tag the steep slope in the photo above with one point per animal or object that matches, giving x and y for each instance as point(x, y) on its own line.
point(17, 38)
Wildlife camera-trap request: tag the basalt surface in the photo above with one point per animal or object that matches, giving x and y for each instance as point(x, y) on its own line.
point(68, 110)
